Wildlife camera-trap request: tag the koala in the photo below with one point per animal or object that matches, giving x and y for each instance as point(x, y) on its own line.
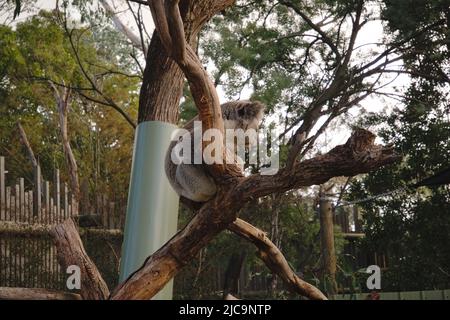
point(192, 181)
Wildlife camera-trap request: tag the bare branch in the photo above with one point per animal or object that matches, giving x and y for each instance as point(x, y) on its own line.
point(275, 260)
point(355, 29)
point(122, 27)
point(70, 251)
point(161, 24)
point(315, 27)
point(176, 31)
point(112, 105)
point(171, 31)
point(109, 101)
point(26, 143)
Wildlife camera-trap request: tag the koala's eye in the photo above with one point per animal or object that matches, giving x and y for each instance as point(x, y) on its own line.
point(241, 112)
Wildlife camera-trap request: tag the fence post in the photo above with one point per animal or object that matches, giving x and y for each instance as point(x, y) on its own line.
point(2, 189)
point(8, 215)
point(66, 201)
point(37, 202)
point(16, 201)
point(47, 200)
point(21, 182)
point(57, 194)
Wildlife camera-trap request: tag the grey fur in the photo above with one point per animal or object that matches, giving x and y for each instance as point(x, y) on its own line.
point(191, 180)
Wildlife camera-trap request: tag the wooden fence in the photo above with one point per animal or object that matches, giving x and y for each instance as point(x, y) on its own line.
point(27, 213)
point(47, 202)
point(405, 295)
point(50, 202)
point(28, 257)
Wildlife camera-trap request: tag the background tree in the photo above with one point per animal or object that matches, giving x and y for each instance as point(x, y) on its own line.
point(38, 61)
point(411, 226)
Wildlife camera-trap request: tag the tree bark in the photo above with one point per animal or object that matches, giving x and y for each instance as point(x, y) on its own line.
point(70, 251)
point(274, 259)
point(162, 86)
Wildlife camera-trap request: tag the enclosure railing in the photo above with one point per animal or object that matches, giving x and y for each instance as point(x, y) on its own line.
point(50, 202)
point(29, 211)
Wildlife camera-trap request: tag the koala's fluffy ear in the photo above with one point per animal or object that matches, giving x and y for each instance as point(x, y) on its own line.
point(256, 110)
point(260, 107)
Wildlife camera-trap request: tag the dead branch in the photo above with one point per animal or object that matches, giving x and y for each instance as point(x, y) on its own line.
point(35, 294)
point(135, 40)
point(26, 143)
point(70, 251)
point(62, 99)
point(275, 260)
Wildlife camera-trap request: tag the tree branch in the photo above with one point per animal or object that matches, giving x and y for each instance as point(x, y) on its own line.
point(315, 27)
point(275, 260)
point(127, 32)
point(26, 143)
point(70, 251)
point(109, 101)
point(358, 155)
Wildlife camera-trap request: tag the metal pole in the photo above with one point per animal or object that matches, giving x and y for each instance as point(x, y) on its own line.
point(152, 210)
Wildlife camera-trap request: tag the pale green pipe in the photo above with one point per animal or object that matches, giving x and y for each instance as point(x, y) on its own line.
point(152, 210)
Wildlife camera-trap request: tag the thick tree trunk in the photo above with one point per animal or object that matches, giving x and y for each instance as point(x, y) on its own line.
point(162, 86)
